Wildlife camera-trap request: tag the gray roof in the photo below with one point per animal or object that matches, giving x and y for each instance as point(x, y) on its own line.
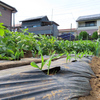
point(88, 17)
point(4, 4)
point(33, 18)
point(50, 22)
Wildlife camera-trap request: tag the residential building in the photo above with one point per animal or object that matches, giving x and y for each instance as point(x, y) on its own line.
point(66, 31)
point(40, 25)
point(8, 12)
point(89, 23)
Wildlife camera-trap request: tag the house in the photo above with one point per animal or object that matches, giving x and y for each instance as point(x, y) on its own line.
point(66, 31)
point(89, 23)
point(40, 25)
point(8, 12)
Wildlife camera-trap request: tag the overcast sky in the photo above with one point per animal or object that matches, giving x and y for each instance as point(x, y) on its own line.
point(63, 12)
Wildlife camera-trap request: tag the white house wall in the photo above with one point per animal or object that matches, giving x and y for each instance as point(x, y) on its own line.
point(89, 30)
point(98, 23)
point(82, 26)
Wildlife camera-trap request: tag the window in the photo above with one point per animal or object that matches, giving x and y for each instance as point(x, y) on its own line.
point(25, 26)
point(4, 8)
point(91, 23)
point(34, 26)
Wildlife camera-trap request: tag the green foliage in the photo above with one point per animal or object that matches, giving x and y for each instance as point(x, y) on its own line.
point(1, 29)
point(16, 42)
point(33, 64)
point(0, 14)
point(13, 45)
point(95, 35)
point(68, 56)
point(83, 35)
point(49, 62)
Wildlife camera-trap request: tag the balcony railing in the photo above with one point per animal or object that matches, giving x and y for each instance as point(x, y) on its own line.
point(87, 26)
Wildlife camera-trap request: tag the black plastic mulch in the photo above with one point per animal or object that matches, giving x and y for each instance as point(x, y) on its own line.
point(71, 82)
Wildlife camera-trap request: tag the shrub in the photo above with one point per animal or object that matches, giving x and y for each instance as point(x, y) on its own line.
point(83, 35)
point(95, 35)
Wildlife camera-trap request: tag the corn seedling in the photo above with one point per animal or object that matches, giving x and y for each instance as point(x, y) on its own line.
point(49, 61)
point(44, 62)
point(90, 53)
point(68, 56)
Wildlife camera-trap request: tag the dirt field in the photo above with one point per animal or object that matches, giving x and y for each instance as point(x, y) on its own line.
point(95, 82)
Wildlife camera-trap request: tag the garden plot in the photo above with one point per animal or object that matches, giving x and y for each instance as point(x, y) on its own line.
point(70, 82)
point(64, 80)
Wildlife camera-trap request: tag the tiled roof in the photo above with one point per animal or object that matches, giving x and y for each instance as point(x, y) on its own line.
point(4, 4)
point(88, 17)
point(33, 18)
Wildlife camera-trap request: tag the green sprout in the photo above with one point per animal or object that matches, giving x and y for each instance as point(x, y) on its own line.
point(48, 61)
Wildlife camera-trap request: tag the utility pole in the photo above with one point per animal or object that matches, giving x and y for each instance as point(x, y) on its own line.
point(71, 31)
point(14, 22)
point(51, 22)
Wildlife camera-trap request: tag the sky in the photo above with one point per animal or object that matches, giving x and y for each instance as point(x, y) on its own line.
point(63, 12)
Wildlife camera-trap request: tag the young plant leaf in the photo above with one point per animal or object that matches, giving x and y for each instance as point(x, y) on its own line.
point(35, 65)
point(1, 32)
point(42, 61)
point(58, 56)
point(48, 65)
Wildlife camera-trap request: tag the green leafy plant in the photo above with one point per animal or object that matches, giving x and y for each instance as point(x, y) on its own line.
point(95, 35)
point(1, 29)
point(15, 44)
point(81, 54)
point(83, 35)
point(90, 53)
point(43, 62)
point(74, 52)
point(68, 56)
point(48, 61)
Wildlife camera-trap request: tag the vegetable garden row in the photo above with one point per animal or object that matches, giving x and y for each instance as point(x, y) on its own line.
point(13, 45)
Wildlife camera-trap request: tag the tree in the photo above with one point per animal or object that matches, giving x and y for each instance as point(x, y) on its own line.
point(95, 35)
point(83, 35)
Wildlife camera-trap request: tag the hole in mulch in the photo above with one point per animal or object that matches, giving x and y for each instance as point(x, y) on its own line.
point(97, 76)
point(52, 71)
point(73, 60)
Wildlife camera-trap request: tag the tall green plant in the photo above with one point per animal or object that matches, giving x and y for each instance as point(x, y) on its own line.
point(95, 35)
point(83, 35)
point(43, 63)
point(48, 61)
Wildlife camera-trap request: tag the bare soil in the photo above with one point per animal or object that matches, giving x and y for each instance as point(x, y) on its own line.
point(95, 82)
point(27, 54)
